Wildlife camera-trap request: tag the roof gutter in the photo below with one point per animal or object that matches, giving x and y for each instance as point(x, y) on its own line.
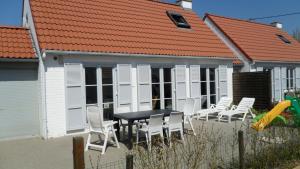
point(276, 62)
point(18, 60)
point(58, 52)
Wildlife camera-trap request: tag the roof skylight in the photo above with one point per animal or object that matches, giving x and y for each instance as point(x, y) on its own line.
point(178, 20)
point(284, 39)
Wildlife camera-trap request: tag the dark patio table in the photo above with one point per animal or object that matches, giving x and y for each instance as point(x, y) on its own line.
point(139, 115)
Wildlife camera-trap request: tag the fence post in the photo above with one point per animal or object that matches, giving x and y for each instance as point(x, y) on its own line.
point(129, 161)
point(78, 153)
point(241, 149)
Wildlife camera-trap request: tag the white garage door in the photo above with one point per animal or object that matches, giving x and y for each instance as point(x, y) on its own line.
point(18, 103)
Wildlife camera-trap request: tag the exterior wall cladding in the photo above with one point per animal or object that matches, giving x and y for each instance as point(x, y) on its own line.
point(55, 82)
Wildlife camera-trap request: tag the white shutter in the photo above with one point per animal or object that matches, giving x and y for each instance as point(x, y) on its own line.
point(297, 70)
point(74, 96)
point(223, 92)
point(277, 86)
point(124, 91)
point(195, 85)
point(144, 87)
point(180, 86)
point(283, 80)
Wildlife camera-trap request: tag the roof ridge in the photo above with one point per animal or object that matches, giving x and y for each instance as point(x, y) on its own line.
point(12, 27)
point(237, 19)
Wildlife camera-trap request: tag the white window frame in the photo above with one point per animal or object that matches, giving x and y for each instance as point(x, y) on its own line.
point(291, 78)
point(96, 85)
point(208, 81)
point(161, 86)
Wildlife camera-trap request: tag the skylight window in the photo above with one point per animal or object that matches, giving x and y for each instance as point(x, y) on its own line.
point(284, 39)
point(178, 20)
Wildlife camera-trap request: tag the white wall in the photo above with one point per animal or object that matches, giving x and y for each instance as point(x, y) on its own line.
point(55, 98)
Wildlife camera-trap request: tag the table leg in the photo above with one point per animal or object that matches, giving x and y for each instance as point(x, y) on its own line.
point(117, 126)
point(130, 144)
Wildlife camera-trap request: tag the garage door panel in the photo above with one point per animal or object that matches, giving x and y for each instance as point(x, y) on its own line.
point(18, 103)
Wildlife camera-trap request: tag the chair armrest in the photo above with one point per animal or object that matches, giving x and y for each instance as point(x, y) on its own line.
point(212, 106)
point(233, 107)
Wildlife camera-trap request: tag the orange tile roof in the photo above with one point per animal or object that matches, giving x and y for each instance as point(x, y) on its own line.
point(15, 43)
point(122, 26)
point(259, 42)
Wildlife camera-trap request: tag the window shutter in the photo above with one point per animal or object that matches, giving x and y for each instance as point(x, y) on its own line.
point(180, 86)
point(277, 88)
point(297, 70)
point(223, 81)
point(195, 84)
point(74, 96)
point(124, 93)
point(144, 87)
point(283, 80)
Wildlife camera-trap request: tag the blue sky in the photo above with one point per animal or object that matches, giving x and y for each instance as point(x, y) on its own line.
point(11, 10)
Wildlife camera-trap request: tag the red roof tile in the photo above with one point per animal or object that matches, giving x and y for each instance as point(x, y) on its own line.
point(15, 42)
point(259, 42)
point(122, 26)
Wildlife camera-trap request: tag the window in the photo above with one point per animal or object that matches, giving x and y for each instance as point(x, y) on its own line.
point(91, 85)
point(290, 78)
point(212, 86)
point(203, 78)
point(161, 81)
point(178, 20)
point(167, 88)
point(155, 88)
point(107, 89)
point(284, 39)
point(203, 86)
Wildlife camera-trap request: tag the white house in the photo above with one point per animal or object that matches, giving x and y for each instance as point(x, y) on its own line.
point(261, 47)
point(123, 56)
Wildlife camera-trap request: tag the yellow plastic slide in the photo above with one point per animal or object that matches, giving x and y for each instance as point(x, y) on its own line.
point(270, 116)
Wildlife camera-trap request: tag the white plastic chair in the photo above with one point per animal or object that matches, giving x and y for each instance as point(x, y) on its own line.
point(222, 105)
point(155, 127)
point(98, 126)
point(244, 107)
point(174, 125)
point(189, 112)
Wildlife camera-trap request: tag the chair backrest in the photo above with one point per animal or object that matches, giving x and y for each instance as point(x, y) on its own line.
point(189, 107)
point(245, 104)
point(156, 121)
point(176, 118)
point(95, 117)
point(224, 103)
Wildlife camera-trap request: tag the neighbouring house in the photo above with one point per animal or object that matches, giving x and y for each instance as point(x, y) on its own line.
point(19, 84)
point(122, 55)
point(261, 47)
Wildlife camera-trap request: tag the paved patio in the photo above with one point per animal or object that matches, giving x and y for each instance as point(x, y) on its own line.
point(35, 153)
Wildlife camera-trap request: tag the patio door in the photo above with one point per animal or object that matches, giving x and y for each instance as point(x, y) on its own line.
point(107, 90)
point(74, 96)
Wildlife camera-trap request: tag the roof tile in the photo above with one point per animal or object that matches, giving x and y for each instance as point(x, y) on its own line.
point(259, 42)
point(15, 42)
point(122, 26)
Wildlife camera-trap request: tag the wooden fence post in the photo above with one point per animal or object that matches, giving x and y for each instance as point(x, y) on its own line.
point(241, 149)
point(78, 153)
point(129, 161)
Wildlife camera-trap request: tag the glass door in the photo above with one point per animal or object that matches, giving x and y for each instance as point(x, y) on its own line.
point(107, 93)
